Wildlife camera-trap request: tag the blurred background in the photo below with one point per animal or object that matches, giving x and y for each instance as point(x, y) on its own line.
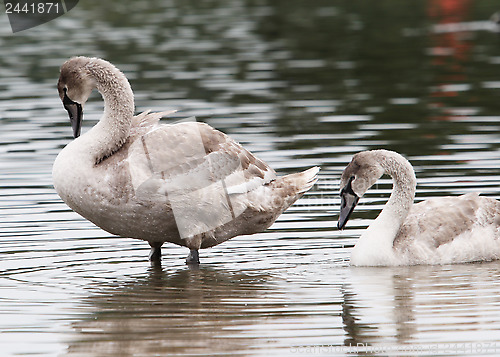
point(299, 83)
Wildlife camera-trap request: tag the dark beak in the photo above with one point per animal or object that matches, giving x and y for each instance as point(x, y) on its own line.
point(348, 200)
point(75, 114)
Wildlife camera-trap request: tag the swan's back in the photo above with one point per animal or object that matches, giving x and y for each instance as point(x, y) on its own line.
point(192, 151)
point(451, 230)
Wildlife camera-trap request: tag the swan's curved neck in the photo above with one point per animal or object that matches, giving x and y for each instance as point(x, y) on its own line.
point(375, 246)
point(109, 134)
point(404, 186)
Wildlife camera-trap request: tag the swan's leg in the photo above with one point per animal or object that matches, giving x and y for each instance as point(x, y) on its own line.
point(193, 243)
point(155, 253)
point(193, 257)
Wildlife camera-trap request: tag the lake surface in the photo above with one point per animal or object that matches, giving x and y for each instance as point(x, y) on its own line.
point(299, 83)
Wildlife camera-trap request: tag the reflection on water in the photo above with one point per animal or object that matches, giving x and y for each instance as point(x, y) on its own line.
point(416, 303)
point(188, 311)
point(300, 84)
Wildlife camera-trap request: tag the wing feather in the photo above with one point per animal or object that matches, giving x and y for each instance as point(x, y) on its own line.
point(189, 156)
point(439, 221)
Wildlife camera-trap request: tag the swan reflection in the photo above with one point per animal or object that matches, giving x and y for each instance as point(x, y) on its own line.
point(194, 310)
point(405, 306)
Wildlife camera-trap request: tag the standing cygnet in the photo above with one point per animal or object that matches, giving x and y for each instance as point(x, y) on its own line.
point(437, 231)
point(183, 183)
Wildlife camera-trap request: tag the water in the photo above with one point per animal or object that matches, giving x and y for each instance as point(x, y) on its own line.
point(299, 83)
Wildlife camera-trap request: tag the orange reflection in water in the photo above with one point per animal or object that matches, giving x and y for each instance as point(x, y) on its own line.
point(450, 50)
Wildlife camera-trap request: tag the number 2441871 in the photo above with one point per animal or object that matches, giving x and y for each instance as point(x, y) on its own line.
point(38, 8)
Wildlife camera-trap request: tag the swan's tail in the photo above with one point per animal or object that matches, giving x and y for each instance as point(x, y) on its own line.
point(291, 187)
point(303, 181)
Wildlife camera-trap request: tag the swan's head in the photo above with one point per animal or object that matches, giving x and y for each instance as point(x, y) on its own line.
point(74, 86)
point(361, 173)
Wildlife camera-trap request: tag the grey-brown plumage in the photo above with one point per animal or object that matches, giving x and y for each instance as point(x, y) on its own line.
point(436, 231)
point(185, 183)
